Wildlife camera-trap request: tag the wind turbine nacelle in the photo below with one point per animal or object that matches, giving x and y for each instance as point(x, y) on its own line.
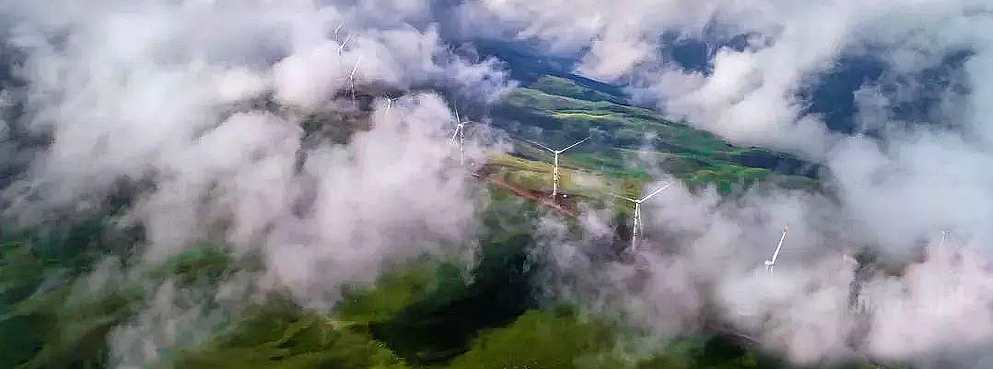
point(769, 263)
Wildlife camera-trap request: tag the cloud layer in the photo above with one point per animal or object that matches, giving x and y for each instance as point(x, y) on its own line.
point(224, 120)
point(199, 105)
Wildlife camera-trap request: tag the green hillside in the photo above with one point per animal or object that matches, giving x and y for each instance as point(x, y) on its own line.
point(566, 111)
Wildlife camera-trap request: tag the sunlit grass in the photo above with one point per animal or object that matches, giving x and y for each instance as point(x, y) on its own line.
point(280, 335)
point(542, 340)
point(396, 290)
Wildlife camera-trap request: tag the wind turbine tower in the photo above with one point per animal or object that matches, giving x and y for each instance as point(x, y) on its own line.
point(555, 171)
point(771, 263)
point(389, 102)
point(636, 228)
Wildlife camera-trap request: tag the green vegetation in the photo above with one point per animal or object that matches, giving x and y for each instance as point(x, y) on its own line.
point(281, 335)
point(50, 315)
point(395, 291)
point(205, 262)
point(566, 111)
point(704, 351)
point(56, 311)
point(540, 339)
point(424, 313)
point(565, 87)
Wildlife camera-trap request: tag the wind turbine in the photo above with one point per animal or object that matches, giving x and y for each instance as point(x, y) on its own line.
point(460, 134)
point(555, 172)
point(389, 102)
point(637, 212)
point(769, 264)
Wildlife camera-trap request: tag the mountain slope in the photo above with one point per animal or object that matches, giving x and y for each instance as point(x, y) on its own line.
point(557, 111)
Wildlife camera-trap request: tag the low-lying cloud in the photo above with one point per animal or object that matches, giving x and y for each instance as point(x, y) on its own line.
point(203, 107)
point(199, 104)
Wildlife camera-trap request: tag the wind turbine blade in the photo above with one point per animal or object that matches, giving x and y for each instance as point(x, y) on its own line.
point(622, 197)
point(779, 246)
point(656, 192)
point(457, 118)
point(574, 145)
point(542, 146)
point(456, 133)
point(342, 46)
point(355, 68)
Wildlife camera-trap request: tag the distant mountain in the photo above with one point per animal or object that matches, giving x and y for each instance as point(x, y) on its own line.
point(528, 65)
